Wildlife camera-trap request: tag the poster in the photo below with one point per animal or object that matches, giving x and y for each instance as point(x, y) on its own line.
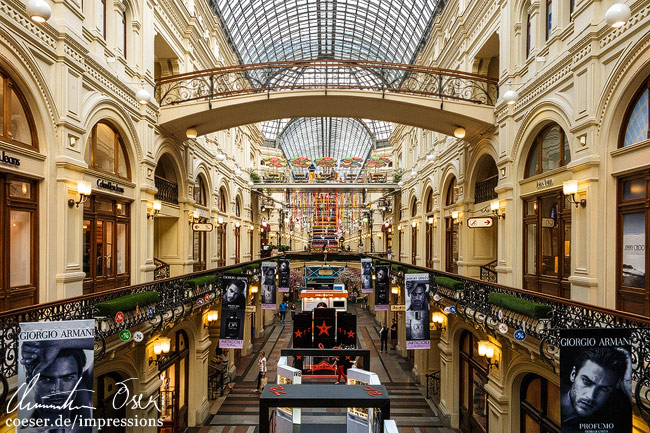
point(284, 273)
point(324, 328)
point(233, 312)
point(381, 287)
point(634, 254)
point(366, 275)
point(417, 311)
point(268, 285)
point(596, 380)
point(56, 372)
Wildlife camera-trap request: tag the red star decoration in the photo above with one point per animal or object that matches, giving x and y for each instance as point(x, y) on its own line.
point(350, 334)
point(323, 329)
point(298, 333)
point(372, 392)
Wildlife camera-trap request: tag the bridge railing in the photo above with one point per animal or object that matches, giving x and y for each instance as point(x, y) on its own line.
point(228, 81)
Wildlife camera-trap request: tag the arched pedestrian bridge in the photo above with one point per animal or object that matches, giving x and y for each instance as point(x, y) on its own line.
point(426, 97)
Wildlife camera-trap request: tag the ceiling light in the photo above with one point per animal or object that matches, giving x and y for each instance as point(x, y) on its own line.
point(617, 15)
point(143, 96)
point(38, 10)
point(191, 133)
point(511, 96)
point(459, 132)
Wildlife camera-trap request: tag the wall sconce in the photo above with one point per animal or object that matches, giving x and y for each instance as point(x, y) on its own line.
point(570, 188)
point(211, 318)
point(157, 206)
point(254, 289)
point(143, 96)
point(414, 224)
point(430, 220)
point(457, 216)
point(485, 348)
point(399, 227)
point(438, 319)
point(193, 217)
point(395, 290)
point(84, 189)
point(191, 133)
point(237, 224)
point(39, 10)
point(617, 15)
point(459, 132)
point(161, 346)
point(495, 207)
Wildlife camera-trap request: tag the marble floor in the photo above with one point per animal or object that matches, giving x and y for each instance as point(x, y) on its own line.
point(237, 412)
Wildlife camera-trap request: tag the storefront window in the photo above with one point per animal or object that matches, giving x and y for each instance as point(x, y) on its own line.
point(20, 235)
point(550, 150)
point(200, 192)
point(540, 405)
point(473, 377)
point(106, 151)
point(636, 122)
point(16, 122)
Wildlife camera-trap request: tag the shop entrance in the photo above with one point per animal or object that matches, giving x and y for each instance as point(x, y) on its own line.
point(547, 244)
point(451, 245)
point(105, 244)
point(174, 374)
point(473, 377)
point(18, 242)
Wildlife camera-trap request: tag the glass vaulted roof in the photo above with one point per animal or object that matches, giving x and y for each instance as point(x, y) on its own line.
point(336, 137)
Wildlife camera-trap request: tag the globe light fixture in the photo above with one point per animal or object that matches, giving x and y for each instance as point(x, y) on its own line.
point(459, 132)
point(511, 96)
point(191, 133)
point(220, 157)
point(39, 11)
point(143, 96)
point(617, 15)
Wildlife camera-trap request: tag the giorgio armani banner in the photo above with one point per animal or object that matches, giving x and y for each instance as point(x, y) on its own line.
point(417, 311)
point(268, 285)
point(381, 287)
point(233, 312)
point(284, 273)
point(366, 275)
point(55, 375)
point(596, 375)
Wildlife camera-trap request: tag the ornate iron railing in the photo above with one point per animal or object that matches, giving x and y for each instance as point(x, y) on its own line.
point(484, 190)
point(224, 82)
point(488, 272)
point(433, 386)
point(167, 191)
point(215, 383)
point(161, 271)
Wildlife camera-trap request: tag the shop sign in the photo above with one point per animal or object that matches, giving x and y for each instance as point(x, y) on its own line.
point(520, 335)
point(480, 222)
point(125, 335)
point(503, 328)
point(9, 160)
point(250, 308)
point(326, 272)
point(105, 184)
point(548, 222)
point(398, 308)
point(544, 183)
point(138, 336)
point(202, 227)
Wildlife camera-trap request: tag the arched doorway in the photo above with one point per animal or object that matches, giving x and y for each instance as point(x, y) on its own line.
point(107, 401)
point(428, 203)
point(237, 230)
point(165, 225)
point(484, 240)
point(414, 231)
point(174, 374)
point(540, 405)
point(451, 229)
point(221, 228)
point(473, 377)
point(199, 238)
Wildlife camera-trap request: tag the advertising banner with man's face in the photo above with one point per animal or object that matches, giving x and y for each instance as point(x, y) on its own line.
point(417, 311)
point(268, 285)
point(284, 273)
point(382, 274)
point(596, 380)
point(366, 275)
point(233, 311)
point(55, 375)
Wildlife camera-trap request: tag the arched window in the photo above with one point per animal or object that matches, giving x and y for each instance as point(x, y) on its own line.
point(429, 201)
point(549, 18)
point(16, 123)
point(414, 208)
point(107, 151)
point(222, 200)
point(540, 405)
point(452, 193)
point(549, 151)
point(200, 193)
point(636, 123)
point(529, 36)
point(237, 207)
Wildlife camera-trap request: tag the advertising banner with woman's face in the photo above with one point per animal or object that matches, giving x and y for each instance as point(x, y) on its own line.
point(268, 285)
point(233, 311)
point(417, 311)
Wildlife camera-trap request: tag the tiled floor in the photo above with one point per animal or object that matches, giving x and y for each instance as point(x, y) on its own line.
point(238, 411)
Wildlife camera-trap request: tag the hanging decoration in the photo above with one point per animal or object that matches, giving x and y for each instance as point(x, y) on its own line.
point(326, 161)
point(352, 161)
point(300, 162)
point(377, 162)
point(274, 161)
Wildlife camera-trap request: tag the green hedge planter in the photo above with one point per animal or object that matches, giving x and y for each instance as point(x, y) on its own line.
point(450, 283)
point(523, 306)
point(126, 303)
point(200, 281)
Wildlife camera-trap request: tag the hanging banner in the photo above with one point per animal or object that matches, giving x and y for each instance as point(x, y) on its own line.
point(55, 375)
point(268, 285)
point(366, 275)
point(284, 273)
point(596, 380)
point(233, 312)
point(381, 287)
point(417, 311)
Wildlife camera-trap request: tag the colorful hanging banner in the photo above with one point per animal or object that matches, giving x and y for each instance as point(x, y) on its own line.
point(417, 311)
point(233, 312)
point(268, 285)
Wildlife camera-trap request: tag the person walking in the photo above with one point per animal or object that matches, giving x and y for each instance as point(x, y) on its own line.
point(393, 334)
point(341, 370)
point(261, 366)
point(389, 253)
point(283, 310)
point(293, 311)
point(383, 337)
